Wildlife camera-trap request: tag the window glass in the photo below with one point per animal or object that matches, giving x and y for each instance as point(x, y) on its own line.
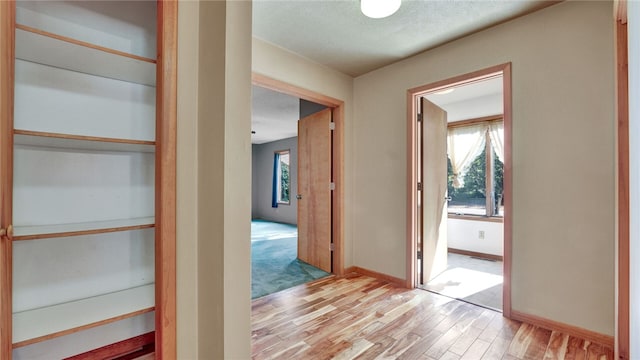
point(470, 199)
point(498, 178)
point(284, 182)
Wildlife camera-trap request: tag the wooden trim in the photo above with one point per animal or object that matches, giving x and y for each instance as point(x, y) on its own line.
point(412, 98)
point(620, 11)
point(338, 193)
point(593, 336)
point(374, 274)
point(83, 43)
point(141, 355)
point(82, 137)
point(166, 139)
point(338, 155)
point(495, 219)
point(476, 254)
point(120, 349)
point(83, 327)
point(622, 115)
point(468, 78)
point(468, 122)
point(7, 63)
point(507, 190)
point(412, 190)
point(79, 233)
point(283, 87)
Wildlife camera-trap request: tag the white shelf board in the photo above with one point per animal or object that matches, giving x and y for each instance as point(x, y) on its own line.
point(79, 227)
point(51, 51)
point(33, 324)
point(80, 144)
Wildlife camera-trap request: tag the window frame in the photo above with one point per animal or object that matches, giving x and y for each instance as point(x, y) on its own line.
point(279, 178)
point(489, 170)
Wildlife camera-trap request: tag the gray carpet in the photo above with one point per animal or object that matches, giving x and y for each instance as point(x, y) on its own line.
point(274, 262)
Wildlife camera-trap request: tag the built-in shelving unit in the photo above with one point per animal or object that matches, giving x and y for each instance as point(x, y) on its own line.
point(59, 51)
point(45, 323)
point(87, 159)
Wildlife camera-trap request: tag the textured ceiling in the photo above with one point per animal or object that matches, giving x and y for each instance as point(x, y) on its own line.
point(336, 34)
point(478, 99)
point(274, 115)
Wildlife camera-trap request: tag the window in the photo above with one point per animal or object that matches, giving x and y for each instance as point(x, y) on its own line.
point(476, 188)
point(283, 180)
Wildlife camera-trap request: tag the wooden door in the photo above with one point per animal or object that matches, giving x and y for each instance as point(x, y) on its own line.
point(434, 193)
point(314, 190)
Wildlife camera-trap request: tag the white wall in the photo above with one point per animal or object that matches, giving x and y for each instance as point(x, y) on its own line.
point(464, 235)
point(279, 64)
point(262, 181)
point(214, 180)
point(633, 13)
point(563, 157)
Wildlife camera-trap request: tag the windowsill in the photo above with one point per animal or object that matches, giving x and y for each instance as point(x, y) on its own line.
point(496, 219)
point(282, 203)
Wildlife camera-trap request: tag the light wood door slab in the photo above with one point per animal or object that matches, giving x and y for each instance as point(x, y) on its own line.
point(434, 204)
point(314, 179)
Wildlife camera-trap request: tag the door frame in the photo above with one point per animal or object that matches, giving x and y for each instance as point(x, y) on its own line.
point(623, 300)
point(337, 166)
point(413, 95)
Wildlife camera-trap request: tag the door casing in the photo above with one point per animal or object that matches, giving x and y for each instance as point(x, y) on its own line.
point(413, 96)
point(337, 106)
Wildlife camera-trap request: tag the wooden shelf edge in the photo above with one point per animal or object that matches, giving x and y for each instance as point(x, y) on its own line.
point(82, 137)
point(83, 43)
point(83, 327)
point(81, 232)
point(132, 348)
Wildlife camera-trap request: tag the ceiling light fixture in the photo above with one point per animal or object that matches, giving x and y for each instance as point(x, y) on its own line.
point(378, 9)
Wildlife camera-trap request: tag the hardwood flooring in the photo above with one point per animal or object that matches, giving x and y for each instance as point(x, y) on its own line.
point(359, 317)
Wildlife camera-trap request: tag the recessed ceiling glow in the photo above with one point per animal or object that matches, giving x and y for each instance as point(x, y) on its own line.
point(378, 9)
point(445, 91)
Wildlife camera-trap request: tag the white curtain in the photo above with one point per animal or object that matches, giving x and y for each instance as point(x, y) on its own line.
point(464, 144)
point(496, 133)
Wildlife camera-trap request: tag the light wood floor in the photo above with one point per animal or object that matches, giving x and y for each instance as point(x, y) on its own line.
point(359, 317)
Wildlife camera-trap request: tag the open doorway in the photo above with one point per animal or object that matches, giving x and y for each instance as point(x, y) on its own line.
point(460, 175)
point(283, 158)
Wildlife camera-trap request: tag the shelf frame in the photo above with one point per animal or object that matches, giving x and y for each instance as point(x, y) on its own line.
point(83, 43)
point(166, 137)
point(7, 79)
point(100, 61)
point(72, 141)
point(61, 309)
point(165, 202)
point(101, 227)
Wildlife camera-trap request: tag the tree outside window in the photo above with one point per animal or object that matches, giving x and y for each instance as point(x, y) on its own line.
point(479, 182)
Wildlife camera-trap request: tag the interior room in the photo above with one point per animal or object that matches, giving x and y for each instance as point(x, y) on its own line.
point(475, 210)
point(126, 176)
point(275, 264)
